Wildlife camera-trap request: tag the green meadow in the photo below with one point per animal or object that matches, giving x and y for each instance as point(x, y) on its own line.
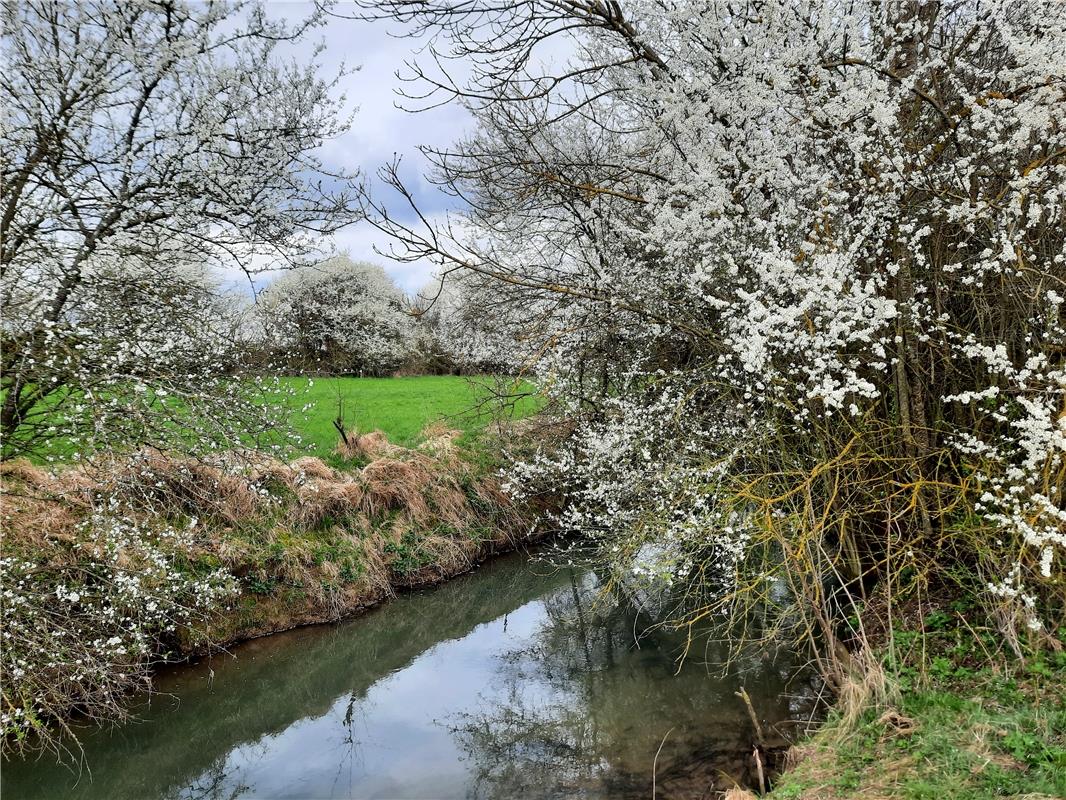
point(399, 407)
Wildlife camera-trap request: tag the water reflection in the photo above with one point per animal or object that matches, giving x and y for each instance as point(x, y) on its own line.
point(595, 702)
point(516, 681)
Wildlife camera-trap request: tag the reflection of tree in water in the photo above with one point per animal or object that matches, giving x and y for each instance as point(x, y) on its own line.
point(216, 783)
point(350, 742)
point(584, 705)
point(223, 781)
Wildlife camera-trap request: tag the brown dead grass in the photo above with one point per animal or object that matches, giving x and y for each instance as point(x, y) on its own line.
point(318, 502)
point(414, 516)
point(20, 469)
point(37, 508)
point(797, 754)
point(314, 468)
point(439, 441)
point(374, 444)
point(398, 485)
point(155, 482)
point(33, 522)
point(897, 724)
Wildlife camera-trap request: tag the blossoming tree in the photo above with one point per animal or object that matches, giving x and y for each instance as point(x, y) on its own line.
point(806, 262)
point(338, 316)
point(145, 146)
point(143, 142)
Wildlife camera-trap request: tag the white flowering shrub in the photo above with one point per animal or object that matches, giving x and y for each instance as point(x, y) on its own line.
point(132, 362)
point(85, 616)
point(145, 146)
point(796, 270)
point(338, 316)
point(472, 321)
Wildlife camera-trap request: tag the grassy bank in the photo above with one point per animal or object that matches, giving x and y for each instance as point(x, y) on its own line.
point(115, 567)
point(966, 722)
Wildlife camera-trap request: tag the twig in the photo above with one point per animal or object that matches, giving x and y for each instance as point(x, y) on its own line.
point(655, 762)
point(758, 768)
point(338, 423)
point(743, 695)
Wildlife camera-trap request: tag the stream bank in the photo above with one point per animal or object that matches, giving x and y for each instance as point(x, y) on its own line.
point(519, 679)
point(114, 568)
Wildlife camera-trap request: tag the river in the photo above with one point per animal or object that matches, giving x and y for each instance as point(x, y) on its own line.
point(518, 680)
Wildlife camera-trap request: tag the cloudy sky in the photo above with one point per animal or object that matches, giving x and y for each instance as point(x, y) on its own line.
point(380, 130)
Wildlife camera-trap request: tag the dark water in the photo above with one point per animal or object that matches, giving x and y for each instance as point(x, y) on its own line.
point(514, 681)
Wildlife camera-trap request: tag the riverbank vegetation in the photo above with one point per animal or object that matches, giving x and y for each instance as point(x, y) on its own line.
point(161, 490)
point(111, 569)
point(789, 278)
point(795, 273)
point(965, 721)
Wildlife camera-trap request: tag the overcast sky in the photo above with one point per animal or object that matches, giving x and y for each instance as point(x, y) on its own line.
point(379, 129)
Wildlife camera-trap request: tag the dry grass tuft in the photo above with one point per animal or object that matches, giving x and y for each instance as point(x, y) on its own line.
point(72, 486)
point(20, 469)
point(30, 522)
point(439, 440)
point(375, 566)
point(159, 483)
point(451, 505)
point(314, 468)
point(450, 555)
point(798, 754)
point(488, 491)
point(38, 508)
point(320, 501)
point(395, 485)
point(897, 724)
point(861, 684)
point(371, 445)
point(736, 793)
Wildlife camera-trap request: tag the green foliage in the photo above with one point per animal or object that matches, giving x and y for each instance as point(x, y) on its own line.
point(408, 555)
point(958, 747)
point(257, 584)
point(966, 726)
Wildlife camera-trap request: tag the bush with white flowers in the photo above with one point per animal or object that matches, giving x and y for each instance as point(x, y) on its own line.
point(339, 316)
point(796, 269)
point(84, 617)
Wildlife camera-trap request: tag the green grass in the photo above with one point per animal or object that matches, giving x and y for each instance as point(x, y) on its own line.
point(399, 407)
point(959, 731)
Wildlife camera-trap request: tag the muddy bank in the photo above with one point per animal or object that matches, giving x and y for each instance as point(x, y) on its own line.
point(254, 616)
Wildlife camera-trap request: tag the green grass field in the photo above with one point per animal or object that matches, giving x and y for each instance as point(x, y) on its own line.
point(399, 407)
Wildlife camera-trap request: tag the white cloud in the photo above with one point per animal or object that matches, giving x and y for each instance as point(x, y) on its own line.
point(363, 242)
point(380, 130)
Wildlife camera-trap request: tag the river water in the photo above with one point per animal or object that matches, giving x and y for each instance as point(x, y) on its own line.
point(519, 680)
